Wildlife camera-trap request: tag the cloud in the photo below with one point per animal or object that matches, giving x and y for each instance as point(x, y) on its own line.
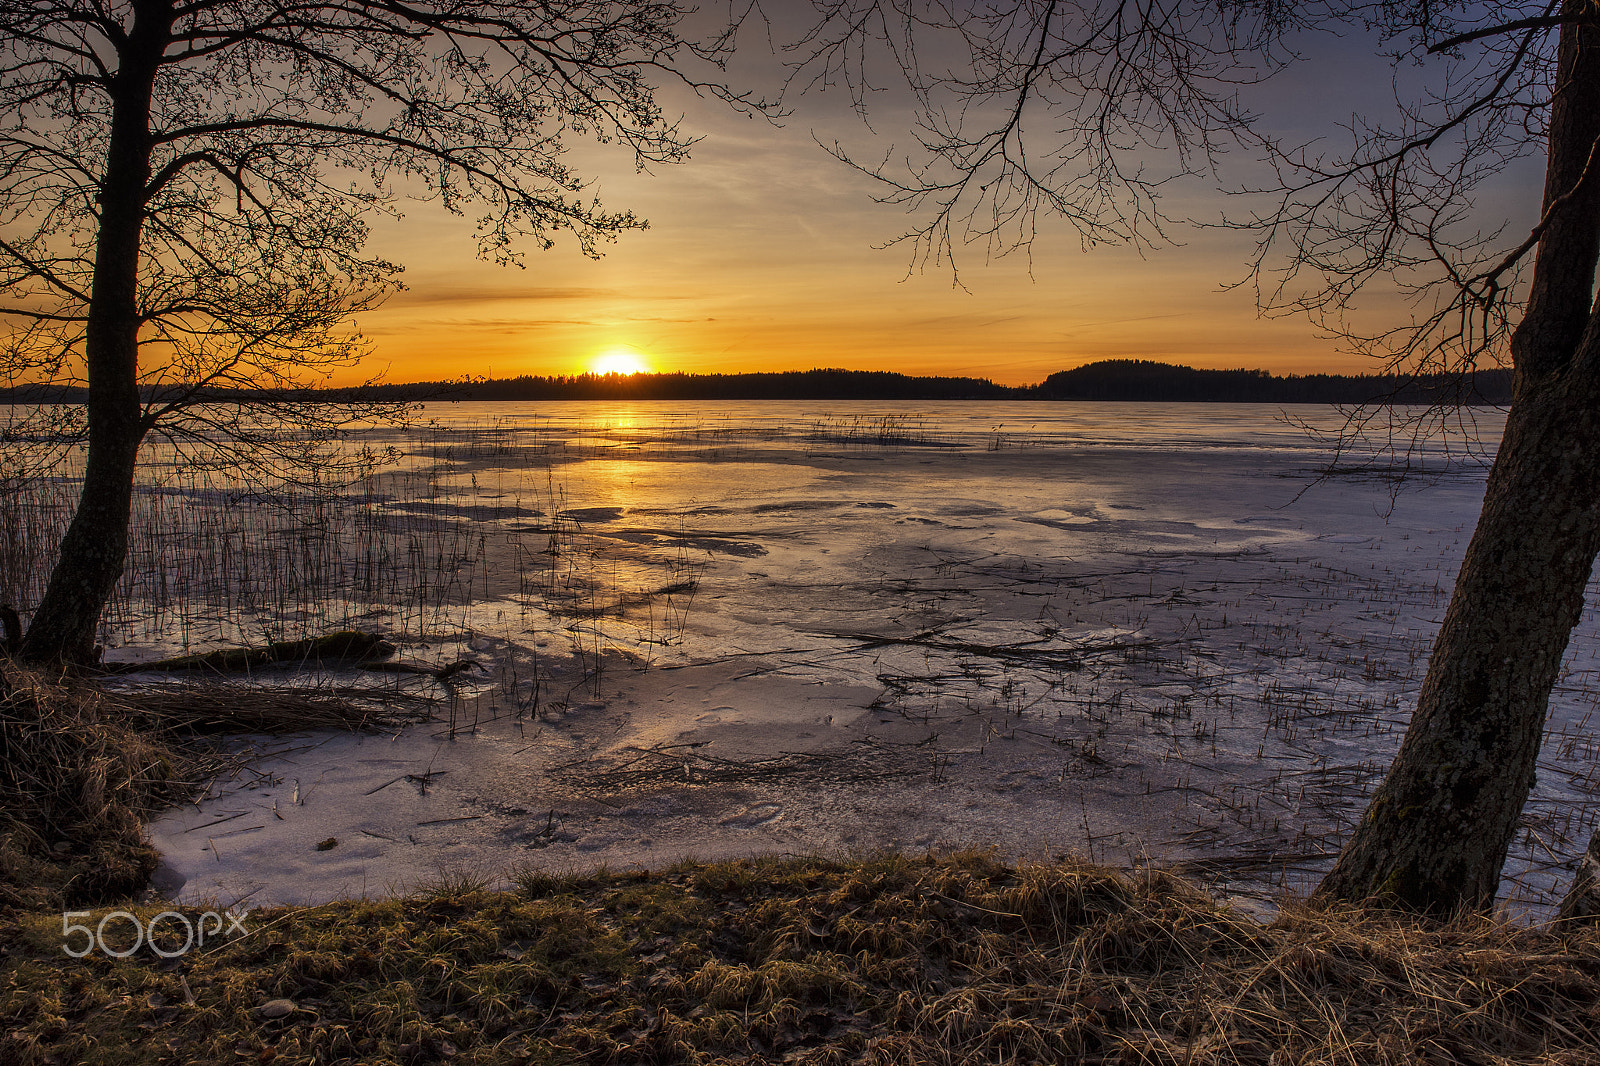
point(373, 325)
point(432, 294)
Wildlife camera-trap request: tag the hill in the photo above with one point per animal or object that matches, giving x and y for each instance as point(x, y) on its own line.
point(1147, 381)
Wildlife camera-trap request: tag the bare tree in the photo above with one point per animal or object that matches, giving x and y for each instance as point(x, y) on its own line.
point(185, 184)
point(1084, 110)
point(1435, 834)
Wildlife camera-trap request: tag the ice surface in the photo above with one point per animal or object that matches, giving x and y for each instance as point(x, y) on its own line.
point(1133, 632)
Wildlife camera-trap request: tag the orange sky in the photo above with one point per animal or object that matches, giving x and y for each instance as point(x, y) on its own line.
point(779, 293)
point(761, 256)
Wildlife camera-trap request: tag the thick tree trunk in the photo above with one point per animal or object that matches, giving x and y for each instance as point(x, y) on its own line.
point(1435, 835)
point(95, 546)
point(96, 543)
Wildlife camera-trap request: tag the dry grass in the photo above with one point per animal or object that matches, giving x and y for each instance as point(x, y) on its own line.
point(75, 782)
point(82, 768)
point(942, 959)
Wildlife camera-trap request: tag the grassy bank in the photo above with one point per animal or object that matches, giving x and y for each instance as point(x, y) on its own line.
point(937, 959)
point(893, 959)
point(78, 775)
point(82, 768)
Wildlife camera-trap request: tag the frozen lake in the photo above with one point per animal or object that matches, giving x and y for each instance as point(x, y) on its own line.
point(1184, 633)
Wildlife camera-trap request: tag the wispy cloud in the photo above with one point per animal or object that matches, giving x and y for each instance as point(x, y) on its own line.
point(424, 295)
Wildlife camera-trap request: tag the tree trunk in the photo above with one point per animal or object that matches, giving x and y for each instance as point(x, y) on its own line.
point(96, 543)
point(1435, 835)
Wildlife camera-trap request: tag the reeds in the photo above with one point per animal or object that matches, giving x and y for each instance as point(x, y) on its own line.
point(457, 539)
point(882, 431)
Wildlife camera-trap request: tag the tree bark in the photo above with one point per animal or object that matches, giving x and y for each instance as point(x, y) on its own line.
point(1436, 833)
point(95, 546)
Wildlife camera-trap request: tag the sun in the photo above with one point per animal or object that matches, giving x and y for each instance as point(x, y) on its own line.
point(619, 361)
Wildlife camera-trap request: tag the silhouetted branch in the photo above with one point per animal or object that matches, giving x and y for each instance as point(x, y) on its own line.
point(251, 259)
point(1083, 112)
point(1541, 22)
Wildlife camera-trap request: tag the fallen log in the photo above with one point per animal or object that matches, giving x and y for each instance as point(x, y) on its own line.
point(438, 673)
point(345, 646)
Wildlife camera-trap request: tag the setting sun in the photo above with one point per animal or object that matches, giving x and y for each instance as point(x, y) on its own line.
point(619, 361)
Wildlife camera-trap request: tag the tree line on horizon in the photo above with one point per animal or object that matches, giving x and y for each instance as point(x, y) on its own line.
point(1134, 380)
point(1128, 380)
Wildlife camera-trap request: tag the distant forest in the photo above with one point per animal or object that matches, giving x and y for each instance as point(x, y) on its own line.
point(1110, 379)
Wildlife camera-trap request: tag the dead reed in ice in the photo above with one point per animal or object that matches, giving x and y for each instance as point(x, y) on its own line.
point(214, 562)
point(642, 771)
point(882, 431)
point(468, 538)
